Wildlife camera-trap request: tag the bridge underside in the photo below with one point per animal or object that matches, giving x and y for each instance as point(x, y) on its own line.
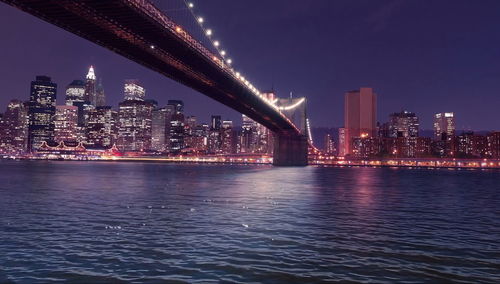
point(125, 27)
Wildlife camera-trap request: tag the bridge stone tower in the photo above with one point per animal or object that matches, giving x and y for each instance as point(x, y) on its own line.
point(291, 149)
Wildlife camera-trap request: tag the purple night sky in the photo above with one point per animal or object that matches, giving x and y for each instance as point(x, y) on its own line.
point(422, 56)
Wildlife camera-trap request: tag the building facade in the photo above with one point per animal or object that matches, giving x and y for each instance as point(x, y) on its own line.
point(41, 112)
point(360, 116)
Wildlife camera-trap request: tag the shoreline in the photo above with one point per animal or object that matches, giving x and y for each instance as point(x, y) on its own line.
point(410, 164)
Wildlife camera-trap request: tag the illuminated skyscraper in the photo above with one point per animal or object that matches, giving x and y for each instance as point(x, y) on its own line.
point(14, 129)
point(249, 135)
point(226, 133)
point(90, 87)
point(444, 125)
point(101, 127)
point(134, 119)
point(65, 123)
point(214, 138)
point(160, 128)
point(133, 90)
point(134, 125)
point(360, 116)
point(75, 92)
point(41, 111)
point(176, 128)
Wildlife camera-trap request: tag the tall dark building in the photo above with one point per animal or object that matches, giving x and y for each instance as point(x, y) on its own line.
point(41, 112)
point(176, 130)
point(100, 95)
point(216, 122)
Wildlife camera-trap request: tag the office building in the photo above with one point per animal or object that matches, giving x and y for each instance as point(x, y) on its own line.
point(41, 112)
point(360, 116)
point(66, 123)
point(444, 125)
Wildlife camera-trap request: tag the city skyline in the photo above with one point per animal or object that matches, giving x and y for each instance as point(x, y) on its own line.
point(67, 55)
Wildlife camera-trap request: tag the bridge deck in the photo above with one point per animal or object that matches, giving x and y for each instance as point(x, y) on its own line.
point(131, 29)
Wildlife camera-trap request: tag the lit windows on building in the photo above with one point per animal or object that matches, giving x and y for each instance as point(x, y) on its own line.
point(65, 124)
point(134, 125)
point(75, 92)
point(403, 124)
point(41, 112)
point(101, 127)
point(444, 125)
point(133, 90)
point(14, 129)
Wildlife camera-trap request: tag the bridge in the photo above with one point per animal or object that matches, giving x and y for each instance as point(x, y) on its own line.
point(140, 31)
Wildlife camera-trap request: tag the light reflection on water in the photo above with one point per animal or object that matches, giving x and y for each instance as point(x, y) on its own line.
point(108, 222)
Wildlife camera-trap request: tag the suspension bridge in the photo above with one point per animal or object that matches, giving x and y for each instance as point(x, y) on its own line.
point(151, 33)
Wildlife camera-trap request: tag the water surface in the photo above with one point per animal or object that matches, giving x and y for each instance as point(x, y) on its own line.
point(93, 222)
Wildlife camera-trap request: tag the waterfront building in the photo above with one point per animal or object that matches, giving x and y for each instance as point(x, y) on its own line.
point(101, 130)
point(14, 128)
point(133, 90)
point(160, 127)
point(41, 112)
point(249, 135)
point(494, 144)
point(176, 127)
point(330, 145)
point(226, 134)
point(90, 87)
point(470, 145)
point(66, 123)
point(342, 142)
point(134, 125)
point(214, 138)
point(197, 140)
point(365, 146)
point(403, 124)
point(360, 116)
point(444, 125)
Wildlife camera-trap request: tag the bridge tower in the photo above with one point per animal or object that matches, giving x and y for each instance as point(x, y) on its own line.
point(291, 149)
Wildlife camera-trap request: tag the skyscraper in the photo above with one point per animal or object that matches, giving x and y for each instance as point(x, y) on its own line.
point(41, 111)
point(249, 135)
point(75, 92)
point(133, 90)
point(160, 127)
point(134, 125)
point(176, 128)
point(214, 138)
point(444, 125)
point(403, 124)
point(100, 95)
point(65, 123)
point(360, 116)
point(90, 87)
point(100, 130)
point(14, 129)
point(226, 134)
